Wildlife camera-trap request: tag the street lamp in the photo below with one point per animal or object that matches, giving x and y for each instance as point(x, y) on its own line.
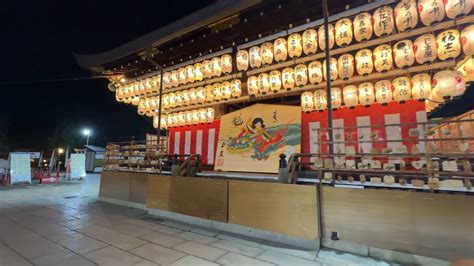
point(60, 151)
point(87, 133)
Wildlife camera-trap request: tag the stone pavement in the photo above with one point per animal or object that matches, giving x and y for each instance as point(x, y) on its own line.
point(66, 225)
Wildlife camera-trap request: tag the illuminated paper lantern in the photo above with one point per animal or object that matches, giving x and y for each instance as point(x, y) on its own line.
point(310, 41)
point(288, 78)
point(236, 88)
point(320, 100)
point(119, 95)
point(154, 103)
point(467, 40)
point(135, 100)
point(294, 45)
point(401, 89)
point(183, 76)
point(383, 21)
point(252, 85)
point(155, 84)
point(179, 98)
point(315, 72)
point(202, 115)
point(209, 93)
point(201, 95)
point(403, 53)
point(216, 67)
point(226, 63)
point(307, 102)
point(301, 75)
point(141, 107)
point(275, 80)
point(172, 99)
point(343, 30)
point(449, 44)
point(383, 60)
point(431, 11)
point(175, 118)
point(210, 114)
point(255, 58)
point(333, 73)
point(190, 74)
point(351, 99)
point(217, 91)
point(142, 87)
point(266, 53)
point(226, 90)
point(166, 101)
point(345, 66)
point(425, 49)
point(460, 84)
point(436, 95)
point(127, 100)
point(280, 52)
point(136, 89)
point(364, 64)
point(445, 83)
point(196, 117)
point(383, 91)
point(263, 83)
point(207, 69)
point(421, 86)
point(336, 98)
point(456, 8)
point(166, 80)
point(198, 76)
point(242, 60)
point(181, 119)
point(366, 94)
point(406, 15)
point(322, 37)
point(363, 27)
point(174, 78)
point(192, 94)
point(188, 117)
point(148, 85)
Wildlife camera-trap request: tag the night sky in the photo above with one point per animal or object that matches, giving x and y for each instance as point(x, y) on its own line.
point(38, 42)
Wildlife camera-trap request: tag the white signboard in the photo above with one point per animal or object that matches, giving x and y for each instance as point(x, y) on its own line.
point(20, 167)
point(78, 165)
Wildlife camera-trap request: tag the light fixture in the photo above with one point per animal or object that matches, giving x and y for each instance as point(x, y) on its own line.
point(403, 53)
point(467, 40)
point(189, 73)
point(301, 75)
point(366, 93)
point(383, 60)
point(280, 51)
point(320, 100)
point(383, 21)
point(266, 53)
point(345, 66)
point(421, 86)
point(255, 59)
point(449, 44)
point(383, 91)
point(226, 63)
point(406, 15)
point(336, 98)
point(242, 60)
point(216, 67)
point(288, 78)
point(425, 48)
point(263, 83)
point(315, 72)
point(322, 37)
point(310, 41)
point(207, 69)
point(456, 8)
point(333, 73)
point(431, 11)
point(343, 33)
point(401, 89)
point(307, 102)
point(364, 63)
point(350, 96)
point(275, 80)
point(363, 27)
point(236, 86)
point(252, 85)
point(294, 45)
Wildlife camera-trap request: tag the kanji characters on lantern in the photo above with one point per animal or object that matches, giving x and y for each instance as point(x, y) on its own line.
point(189, 74)
point(343, 32)
point(366, 94)
point(431, 11)
point(288, 78)
point(236, 86)
point(383, 91)
point(345, 66)
point(201, 94)
point(242, 60)
point(333, 73)
point(301, 75)
point(217, 91)
point(320, 100)
point(255, 58)
point(198, 76)
point(266, 52)
point(351, 99)
point(315, 72)
point(216, 66)
point(406, 15)
point(449, 44)
point(456, 8)
point(226, 63)
point(322, 37)
point(363, 27)
point(425, 48)
point(275, 80)
point(421, 86)
point(336, 98)
point(364, 64)
point(383, 60)
point(310, 41)
point(280, 52)
point(307, 102)
point(182, 76)
point(209, 93)
point(401, 89)
point(207, 69)
point(404, 56)
point(383, 21)
point(226, 90)
point(252, 85)
point(263, 83)
point(294, 45)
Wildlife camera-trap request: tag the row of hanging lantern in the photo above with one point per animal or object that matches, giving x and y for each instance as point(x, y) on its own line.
point(382, 22)
point(139, 88)
point(192, 117)
point(148, 106)
point(444, 84)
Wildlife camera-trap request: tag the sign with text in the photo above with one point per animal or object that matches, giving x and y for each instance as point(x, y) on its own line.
point(78, 165)
point(20, 169)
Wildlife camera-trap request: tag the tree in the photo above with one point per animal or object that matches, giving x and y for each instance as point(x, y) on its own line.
point(66, 134)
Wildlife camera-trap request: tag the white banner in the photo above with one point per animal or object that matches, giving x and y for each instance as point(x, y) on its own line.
point(20, 169)
point(78, 165)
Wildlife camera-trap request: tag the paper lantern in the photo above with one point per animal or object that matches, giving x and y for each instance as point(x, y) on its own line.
point(460, 83)
point(383, 21)
point(322, 37)
point(406, 15)
point(179, 98)
point(456, 8)
point(207, 69)
point(217, 91)
point(431, 11)
point(383, 60)
point(172, 99)
point(135, 100)
point(307, 102)
point(209, 93)
point(333, 73)
point(351, 99)
point(401, 89)
point(142, 87)
point(467, 40)
point(263, 83)
point(366, 93)
point(445, 83)
point(363, 27)
point(155, 121)
point(345, 66)
point(127, 100)
point(421, 86)
point(154, 103)
point(166, 80)
point(301, 75)
point(181, 119)
point(182, 76)
point(201, 95)
point(148, 85)
point(320, 100)
point(336, 98)
point(196, 117)
point(198, 76)
point(242, 60)
point(310, 41)
point(226, 90)
point(190, 73)
point(236, 86)
point(192, 94)
point(136, 89)
point(266, 53)
point(255, 58)
point(164, 122)
point(425, 49)
point(226, 63)
point(188, 117)
point(176, 120)
point(280, 52)
point(202, 115)
point(288, 78)
point(166, 101)
point(252, 85)
point(275, 80)
point(119, 95)
point(315, 72)
point(155, 83)
point(403, 53)
point(364, 64)
point(448, 44)
point(210, 114)
point(141, 107)
point(343, 32)
point(436, 95)
point(383, 91)
point(216, 67)
point(174, 78)
point(294, 45)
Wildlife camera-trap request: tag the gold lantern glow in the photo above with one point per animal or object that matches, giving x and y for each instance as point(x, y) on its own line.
point(315, 72)
point(401, 89)
point(119, 95)
point(226, 63)
point(226, 90)
point(209, 93)
point(425, 48)
point(242, 60)
point(460, 83)
point(182, 76)
point(164, 122)
point(322, 37)
point(142, 87)
point(320, 100)
point(207, 69)
point(345, 66)
point(217, 92)
point(403, 53)
point(141, 107)
point(166, 101)
point(196, 117)
point(255, 58)
point(363, 27)
point(216, 67)
point(201, 95)
point(280, 52)
point(383, 91)
point(192, 94)
point(436, 96)
point(181, 119)
point(383, 21)
point(421, 86)
point(188, 117)
point(172, 100)
point(449, 44)
point(294, 45)
point(351, 99)
point(336, 98)
point(135, 100)
point(179, 98)
point(189, 73)
point(288, 78)
point(236, 86)
point(431, 11)
point(155, 83)
point(210, 115)
point(155, 121)
point(467, 40)
point(154, 103)
point(333, 73)
point(275, 80)
point(366, 93)
point(301, 75)
point(343, 33)
point(148, 85)
point(252, 85)
point(456, 8)
point(383, 60)
point(444, 82)
point(266, 53)
point(364, 64)
point(198, 76)
point(202, 115)
point(263, 83)
point(127, 100)
point(166, 80)
point(174, 78)
point(175, 118)
point(310, 41)
point(406, 15)
point(307, 102)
